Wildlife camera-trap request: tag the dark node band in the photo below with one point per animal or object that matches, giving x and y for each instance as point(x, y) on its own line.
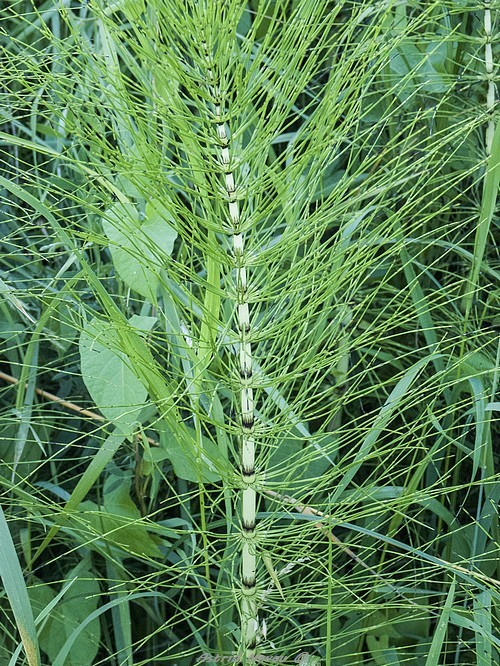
point(245, 374)
point(247, 422)
point(248, 583)
point(248, 527)
point(242, 291)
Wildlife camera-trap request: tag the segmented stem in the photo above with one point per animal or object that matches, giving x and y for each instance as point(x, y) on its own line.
point(489, 65)
point(249, 603)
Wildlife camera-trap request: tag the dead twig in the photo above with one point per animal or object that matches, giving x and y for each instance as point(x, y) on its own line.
point(310, 511)
point(66, 403)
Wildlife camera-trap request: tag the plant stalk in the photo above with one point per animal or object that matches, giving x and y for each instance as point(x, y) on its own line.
point(489, 66)
point(233, 227)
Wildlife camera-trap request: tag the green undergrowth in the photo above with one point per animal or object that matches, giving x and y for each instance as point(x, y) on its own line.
point(363, 140)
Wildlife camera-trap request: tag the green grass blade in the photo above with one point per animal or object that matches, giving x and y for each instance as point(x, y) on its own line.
point(122, 621)
point(392, 403)
point(66, 649)
point(441, 629)
point(17, 594)
point(482, 617)
point(488, 205)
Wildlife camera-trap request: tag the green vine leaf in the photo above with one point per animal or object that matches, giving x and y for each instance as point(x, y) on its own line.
point(119, 520)
point(108, 376)
point(69, 613)
point(140, 247)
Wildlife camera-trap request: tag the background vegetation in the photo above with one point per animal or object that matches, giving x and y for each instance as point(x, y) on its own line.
point(363, 138)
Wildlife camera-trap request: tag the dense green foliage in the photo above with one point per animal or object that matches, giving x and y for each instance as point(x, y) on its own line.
point(364, 142)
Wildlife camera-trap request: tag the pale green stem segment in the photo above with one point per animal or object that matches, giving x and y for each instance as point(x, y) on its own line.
point(249, 602)
point(488, 61)
point(492, 165)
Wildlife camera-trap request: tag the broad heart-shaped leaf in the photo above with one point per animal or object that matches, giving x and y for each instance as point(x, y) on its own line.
point(108, 376)
point(418, 71)
point(79, 602)
point(139, 247)
point(184, 458)
point(119, 521)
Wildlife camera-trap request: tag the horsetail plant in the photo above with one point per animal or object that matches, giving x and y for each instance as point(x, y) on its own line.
point(250, 362)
